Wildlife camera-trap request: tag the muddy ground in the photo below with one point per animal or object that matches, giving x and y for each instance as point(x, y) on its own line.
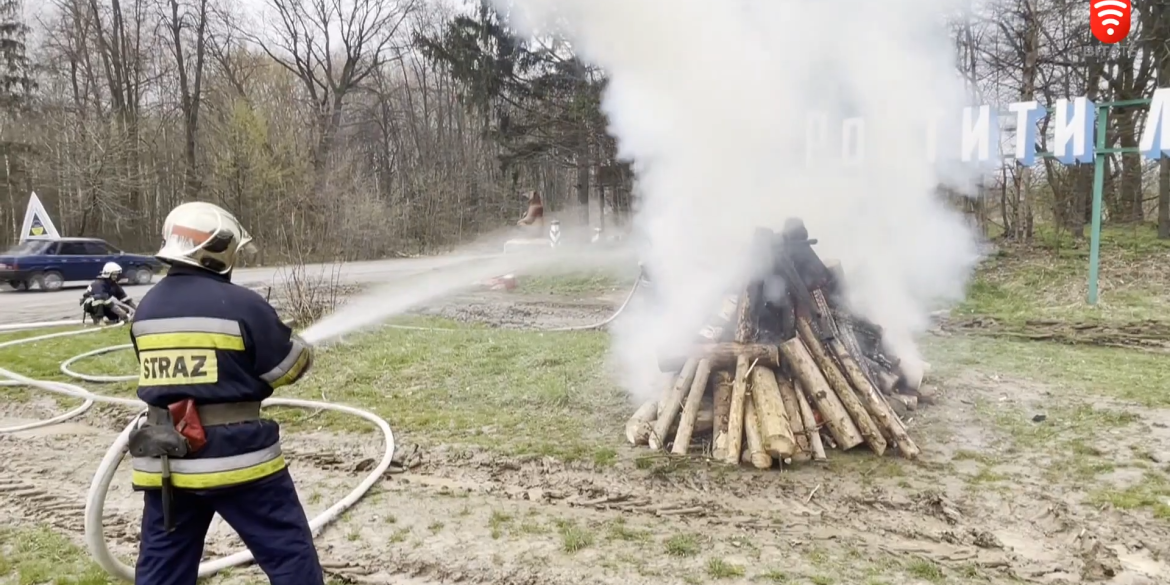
point(980, 507)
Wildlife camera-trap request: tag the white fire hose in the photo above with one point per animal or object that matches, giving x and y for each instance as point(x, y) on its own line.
point(99, 487)
point(95, 502)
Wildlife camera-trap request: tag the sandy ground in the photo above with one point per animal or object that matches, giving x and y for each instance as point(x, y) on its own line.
point(467, 516)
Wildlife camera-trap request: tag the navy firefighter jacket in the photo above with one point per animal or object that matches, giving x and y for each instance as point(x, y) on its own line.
point(105, 288)
point(199, 336)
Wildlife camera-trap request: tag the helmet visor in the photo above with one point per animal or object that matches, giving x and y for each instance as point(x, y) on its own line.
point(181, 240)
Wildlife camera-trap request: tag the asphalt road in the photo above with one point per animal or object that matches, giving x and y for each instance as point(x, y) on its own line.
point(36, 305)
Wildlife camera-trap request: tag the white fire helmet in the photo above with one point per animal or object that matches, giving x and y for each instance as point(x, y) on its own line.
point(111, 270)
point(203, 235)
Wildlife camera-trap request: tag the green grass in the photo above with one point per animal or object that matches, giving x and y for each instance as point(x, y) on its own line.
point(42, 359)
point(682, 545)
point(1079, 386)
point(926, 570)
point(1152, 493)
point(618, 530)
point(1123, 374)
point(774, 576)
point(575, 283)
point(1048, 279)
point(573, 537)
point(33, 556)
point(511, 391)
point(721, 569)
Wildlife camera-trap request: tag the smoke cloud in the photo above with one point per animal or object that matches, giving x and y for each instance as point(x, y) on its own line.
point(711, 100)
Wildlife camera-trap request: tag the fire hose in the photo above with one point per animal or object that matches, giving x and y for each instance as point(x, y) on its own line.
point(99, 487)
point(95, 501)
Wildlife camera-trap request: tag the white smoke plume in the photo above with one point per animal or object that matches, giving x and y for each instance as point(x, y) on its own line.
point(711, 99)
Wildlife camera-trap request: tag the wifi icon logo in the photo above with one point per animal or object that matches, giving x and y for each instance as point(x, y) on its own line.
point(1109, 19)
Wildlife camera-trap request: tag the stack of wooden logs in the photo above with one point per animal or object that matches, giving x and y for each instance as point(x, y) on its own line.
point(796, 375)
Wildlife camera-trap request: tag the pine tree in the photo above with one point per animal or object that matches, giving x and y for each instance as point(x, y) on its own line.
point(15, 67)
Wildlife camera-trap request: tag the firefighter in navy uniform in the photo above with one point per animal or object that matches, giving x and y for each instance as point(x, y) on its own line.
point(98, 299)
point(209, 352)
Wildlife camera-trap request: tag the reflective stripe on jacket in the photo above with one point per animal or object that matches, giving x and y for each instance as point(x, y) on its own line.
point(199, 336)
point(201, 474)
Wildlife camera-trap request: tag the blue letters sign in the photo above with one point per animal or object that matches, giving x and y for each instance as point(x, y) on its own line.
point(980, 131)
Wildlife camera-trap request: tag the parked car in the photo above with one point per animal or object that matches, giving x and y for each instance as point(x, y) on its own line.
point(49, 264)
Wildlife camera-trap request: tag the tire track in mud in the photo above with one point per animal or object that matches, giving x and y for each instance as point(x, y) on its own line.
point(37, 503)
point(692, 503)
point(771, 505)
point(30, 493)
point(928, 513)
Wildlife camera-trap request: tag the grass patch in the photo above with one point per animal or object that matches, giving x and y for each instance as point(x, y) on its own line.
point(986, 475)
point(515, 392)
point(605, 457)
point(42, 359)
point(618, 530)
point(1069, 376)
point(1123, 374)
point(573, 537)
point(926, 570)
point(682, 545)
point(1049, 279)
point(966, 455)
point(721, 569)
point(497, 523)
point(774, 576)
point(576, 283)
point(511, 391)
point(1152, 493)
point(34, 556)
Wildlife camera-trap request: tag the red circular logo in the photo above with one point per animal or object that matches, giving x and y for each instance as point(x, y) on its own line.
point(1109, 19)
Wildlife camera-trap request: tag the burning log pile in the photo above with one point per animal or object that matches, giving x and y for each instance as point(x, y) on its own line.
point(783, 372)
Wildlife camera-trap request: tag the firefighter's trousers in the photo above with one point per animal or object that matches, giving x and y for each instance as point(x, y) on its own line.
point(266, 514)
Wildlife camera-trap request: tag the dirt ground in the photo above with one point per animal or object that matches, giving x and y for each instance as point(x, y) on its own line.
point(980, 507)
point(1147, 335)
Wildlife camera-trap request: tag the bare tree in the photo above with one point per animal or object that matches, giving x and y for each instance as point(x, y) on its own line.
point(333, 46)
point(177, 21)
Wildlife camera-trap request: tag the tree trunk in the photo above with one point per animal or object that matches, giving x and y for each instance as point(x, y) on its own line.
point(836, 380)
point(788, 394)
point(673, 402)
point(842, 428)
point(583, 184)
point(722, 355)
point(809, 419)
point(756, 452)
point(775, 426)
point(1131, 167)
point(736, 412)
point(640, 425)
point(686, 425)
point(1031, 58)
point(1161, 48)
point(722, 408)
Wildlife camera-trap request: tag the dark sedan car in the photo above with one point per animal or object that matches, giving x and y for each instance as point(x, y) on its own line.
point(49, 264)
